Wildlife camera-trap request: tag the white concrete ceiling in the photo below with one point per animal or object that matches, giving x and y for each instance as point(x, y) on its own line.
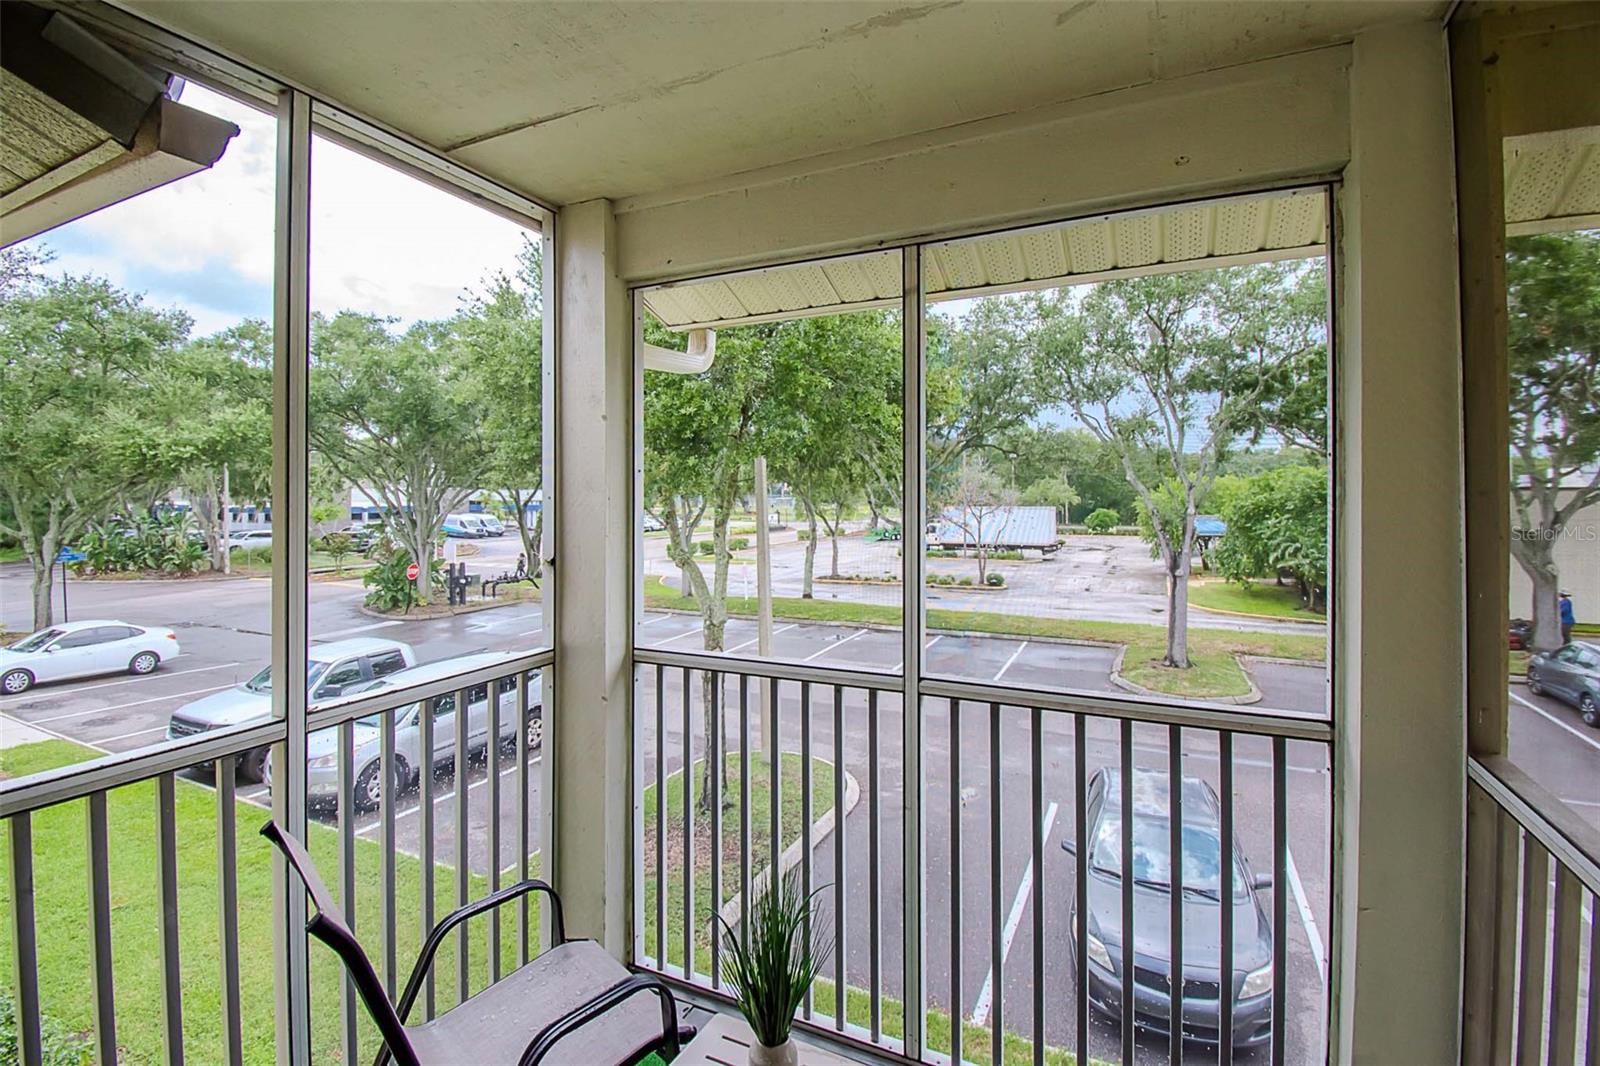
point(573, 100)
point(1245, 229)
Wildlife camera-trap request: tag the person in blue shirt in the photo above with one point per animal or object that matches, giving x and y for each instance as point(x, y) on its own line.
point(1566, 618)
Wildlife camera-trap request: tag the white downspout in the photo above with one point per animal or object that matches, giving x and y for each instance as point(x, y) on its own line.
point(697, 360)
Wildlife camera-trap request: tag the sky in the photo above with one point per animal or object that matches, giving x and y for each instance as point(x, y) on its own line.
point(381, 241)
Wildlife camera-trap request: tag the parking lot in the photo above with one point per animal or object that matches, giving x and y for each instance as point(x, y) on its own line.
point(222, 625)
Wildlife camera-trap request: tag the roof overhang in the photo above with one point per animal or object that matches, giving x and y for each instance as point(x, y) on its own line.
point(1552, 181)
point(84, 126)
point(1287, 224)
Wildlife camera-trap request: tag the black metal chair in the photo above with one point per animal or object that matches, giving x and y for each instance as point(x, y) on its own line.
point(530, 1015)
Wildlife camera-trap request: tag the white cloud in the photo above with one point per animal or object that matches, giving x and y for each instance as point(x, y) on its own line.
point(381, 241)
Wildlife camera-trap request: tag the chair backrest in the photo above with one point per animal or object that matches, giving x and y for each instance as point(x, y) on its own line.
point(328, 925)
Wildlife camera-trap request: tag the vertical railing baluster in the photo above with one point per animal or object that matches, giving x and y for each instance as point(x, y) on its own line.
point(719, 760)
point(774, 787)
point(1591, 1043)
point(345, 793)
point(957, 1005)
point(461, 796)
point(1564, 968)
point(997, 956)
point(100, 958)
point(1280, 899)
point(1508, 838)
point(1175, 896)
point(524, 713)
point(1225, 990)
point(688, 825)
point(425, 713)
point(746, 833)
point(491, 757)
point(167, 908)
point(1036, 802)
point(387, 785)
point(24, 943)
point(661, 818)
point(1535, 922)
point(1126, 882)
point(874, 864)
point(805, 818)
point(840, 952)
point(1080, 873)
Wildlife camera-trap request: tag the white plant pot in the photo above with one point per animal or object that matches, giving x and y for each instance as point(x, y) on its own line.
point(785, 1054)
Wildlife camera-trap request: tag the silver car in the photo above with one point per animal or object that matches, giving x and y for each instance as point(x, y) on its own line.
point(336, 669)
point(322, 765)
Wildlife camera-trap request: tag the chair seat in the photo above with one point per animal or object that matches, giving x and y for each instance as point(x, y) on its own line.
point(494, 1026)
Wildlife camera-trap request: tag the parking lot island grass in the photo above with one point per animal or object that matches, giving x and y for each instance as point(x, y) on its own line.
point(760, 842)
point(1261, 599)
point(1215, 672)
point(61, 917)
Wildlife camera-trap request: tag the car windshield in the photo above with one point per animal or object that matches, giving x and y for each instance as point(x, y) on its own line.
point(1152, 856)
point(36, 641)
point(262, 682)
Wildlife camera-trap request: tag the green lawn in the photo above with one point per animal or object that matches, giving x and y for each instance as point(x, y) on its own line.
point(1260, 598)
point(760, 842)
point(12, 554)
point(60, 878)
point(1215, 671)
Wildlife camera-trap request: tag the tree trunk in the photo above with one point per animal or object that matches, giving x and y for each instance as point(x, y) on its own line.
point(1546, 581)
point(1178, 611)
point(983, 563)
point(811, 549)
point(43, 575)
point(833, 533)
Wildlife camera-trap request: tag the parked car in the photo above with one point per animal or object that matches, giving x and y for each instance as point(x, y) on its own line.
point(487, 525)
point(1571, 674)
point(1518, 633)
point(78, 649)
point(457, 525)
point(361, 535)
point(335, 669)
point(1250, 983)
point(322, 766)
point(652, 524)
point(250, 538)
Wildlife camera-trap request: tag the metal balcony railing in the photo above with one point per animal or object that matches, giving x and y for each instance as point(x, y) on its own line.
point(1533, 924)
point(1005, 775)
point(404, 722)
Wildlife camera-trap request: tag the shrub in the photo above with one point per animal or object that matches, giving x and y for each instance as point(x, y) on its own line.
point(1103, 520)
point(338, 545)
point(995, 580)
point(61, 1048)
point(388, 588)
point(966, 581)
point(735, 544)
point(143, 543)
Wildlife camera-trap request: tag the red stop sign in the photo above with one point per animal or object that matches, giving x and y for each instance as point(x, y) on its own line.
point(411, 572)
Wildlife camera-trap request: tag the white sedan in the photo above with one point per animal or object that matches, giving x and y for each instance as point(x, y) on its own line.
point(77, 649)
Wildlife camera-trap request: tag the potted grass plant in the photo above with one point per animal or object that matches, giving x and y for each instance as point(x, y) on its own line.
point(771, 967)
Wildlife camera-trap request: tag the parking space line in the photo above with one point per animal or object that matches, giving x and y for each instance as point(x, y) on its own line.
point(53, 733)
point(679, 636)
point(1306, 919)
point(135, 703)
point(1008, 933)
point(830, 647)
point(775, 632)
point(653, 621)
point(130, 736)
point(1595, 744)
point(355, 629)
point(441, 797)
point(108, 684)
point(1011, 660)
point(899, 663)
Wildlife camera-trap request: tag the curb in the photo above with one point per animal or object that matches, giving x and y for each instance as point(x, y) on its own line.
point(471, 608)
point(1260, 617)
point(732, 911)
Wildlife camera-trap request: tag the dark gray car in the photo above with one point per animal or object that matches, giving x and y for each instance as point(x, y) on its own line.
point(1250, 983)
point(1572, 674)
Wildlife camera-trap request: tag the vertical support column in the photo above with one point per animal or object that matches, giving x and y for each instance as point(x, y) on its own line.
point(912, 546)
point(550, 681)
point(290, 363)
point(1398, 804)
point(589, 754)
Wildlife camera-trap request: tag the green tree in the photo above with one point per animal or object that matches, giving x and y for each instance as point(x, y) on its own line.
point(1553, 346)
point(501, 331)
point(1103, 520)
point(397, 415)
point(77, 362)
point(1054, 492)
point(1278, 523)
point(979, 502)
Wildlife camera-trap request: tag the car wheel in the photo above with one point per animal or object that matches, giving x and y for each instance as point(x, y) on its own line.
point(1589, 709)
point(16, 681)
point(1533, 684)
point(144, 663)
point(369, 790)
point(535, 728)
point(253, 765)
